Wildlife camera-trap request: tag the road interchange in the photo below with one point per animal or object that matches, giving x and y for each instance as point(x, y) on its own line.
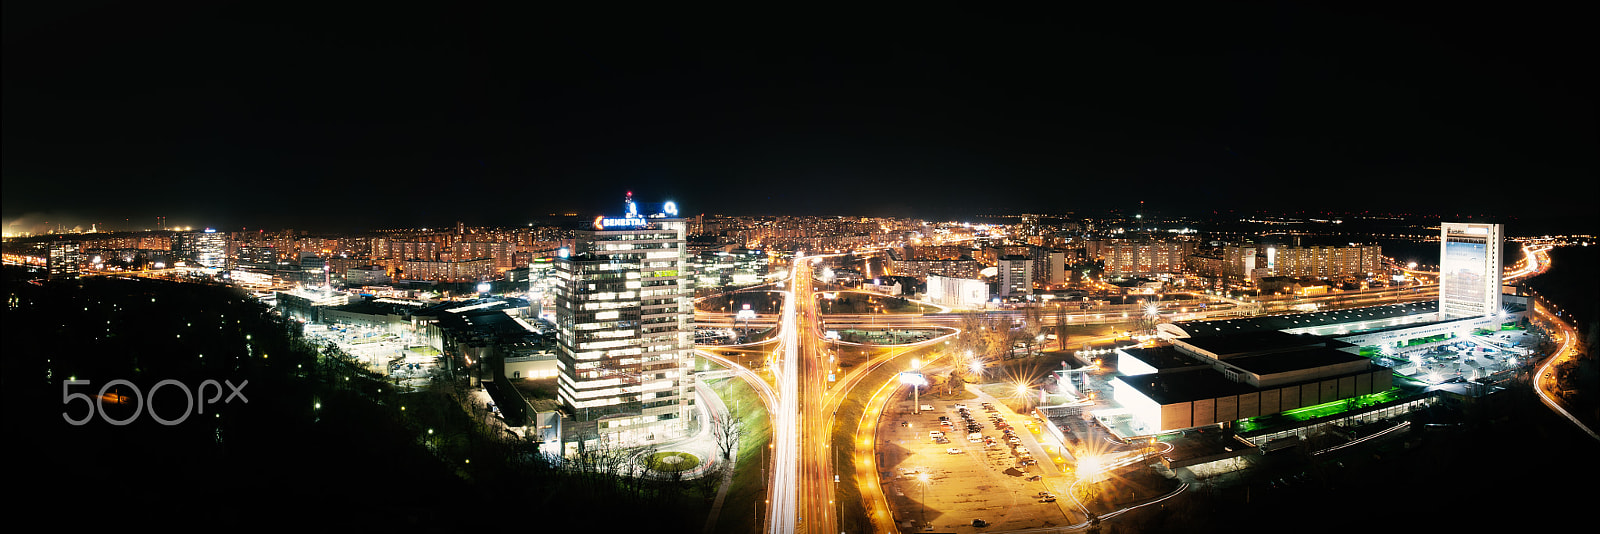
point(802, 484)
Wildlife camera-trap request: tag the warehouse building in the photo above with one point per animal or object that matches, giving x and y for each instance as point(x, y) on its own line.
point(1220, 379)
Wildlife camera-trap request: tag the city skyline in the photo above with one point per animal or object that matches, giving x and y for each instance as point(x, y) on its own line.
point(1193, 268)
point(358, 121)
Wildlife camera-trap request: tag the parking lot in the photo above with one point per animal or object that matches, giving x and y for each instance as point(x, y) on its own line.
point(1005, 480)
point(1470, 358)
point(385, 354)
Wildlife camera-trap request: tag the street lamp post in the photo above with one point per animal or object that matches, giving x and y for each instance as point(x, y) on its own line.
point(916, 402)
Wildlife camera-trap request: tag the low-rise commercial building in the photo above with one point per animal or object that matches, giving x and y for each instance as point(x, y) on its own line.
point(1241, 376)
point(957, 292)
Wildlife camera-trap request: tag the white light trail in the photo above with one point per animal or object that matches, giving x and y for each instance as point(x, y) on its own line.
point(782, 506)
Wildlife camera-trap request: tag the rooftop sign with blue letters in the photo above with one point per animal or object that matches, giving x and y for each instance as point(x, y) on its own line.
point(632, 219)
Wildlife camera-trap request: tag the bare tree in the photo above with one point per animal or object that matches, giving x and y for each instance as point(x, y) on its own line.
point(633, 473)
point(1149, 317)
point(955, 381)
point(727, 430)
point(711, 480)
point(1061, 326)
point(1032, 327)
point(983, 338)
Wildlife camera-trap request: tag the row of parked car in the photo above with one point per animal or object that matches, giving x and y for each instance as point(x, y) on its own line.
point(1009, 435)
point(964, 420)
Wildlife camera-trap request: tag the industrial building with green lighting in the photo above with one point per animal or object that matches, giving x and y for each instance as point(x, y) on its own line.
point(1274, 381)
point(1270, 378)
point(1220, 379)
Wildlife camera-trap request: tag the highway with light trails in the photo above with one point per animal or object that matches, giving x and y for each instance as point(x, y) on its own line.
point(803, 404)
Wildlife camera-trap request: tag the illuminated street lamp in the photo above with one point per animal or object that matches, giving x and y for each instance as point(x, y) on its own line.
point(1089, 468)
point(914, 379)
point(922, 479)
point(745, 314)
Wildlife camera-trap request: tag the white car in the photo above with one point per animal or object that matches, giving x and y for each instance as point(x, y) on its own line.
point(953, 450)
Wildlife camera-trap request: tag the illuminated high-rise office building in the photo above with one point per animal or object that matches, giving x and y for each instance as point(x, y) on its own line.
point(63, 258)
point(210, 248)
point(1470, 268)
point(625, 327)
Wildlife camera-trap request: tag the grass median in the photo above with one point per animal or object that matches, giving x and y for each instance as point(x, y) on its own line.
point(852, 510)
point(745, 504)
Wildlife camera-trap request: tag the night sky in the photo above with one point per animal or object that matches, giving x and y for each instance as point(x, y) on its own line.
point(280, 115)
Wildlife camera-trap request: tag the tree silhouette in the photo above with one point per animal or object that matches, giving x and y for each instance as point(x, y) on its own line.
point(727, 430)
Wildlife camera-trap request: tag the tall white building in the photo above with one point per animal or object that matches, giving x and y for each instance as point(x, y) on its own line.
point(625, 328)
point(1016, 276)
point(1470, 268)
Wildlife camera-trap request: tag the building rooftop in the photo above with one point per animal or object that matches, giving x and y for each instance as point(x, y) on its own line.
point(1280, 362)
point(1257, 342)
point(375, 307)
point(1197, 329)
point(1164, 358)
point(1185, 387)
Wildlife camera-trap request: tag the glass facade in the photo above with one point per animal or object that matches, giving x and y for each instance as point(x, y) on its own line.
point(1469, 270)
point(210, 249)
point(63, 260)
point(625, 327)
